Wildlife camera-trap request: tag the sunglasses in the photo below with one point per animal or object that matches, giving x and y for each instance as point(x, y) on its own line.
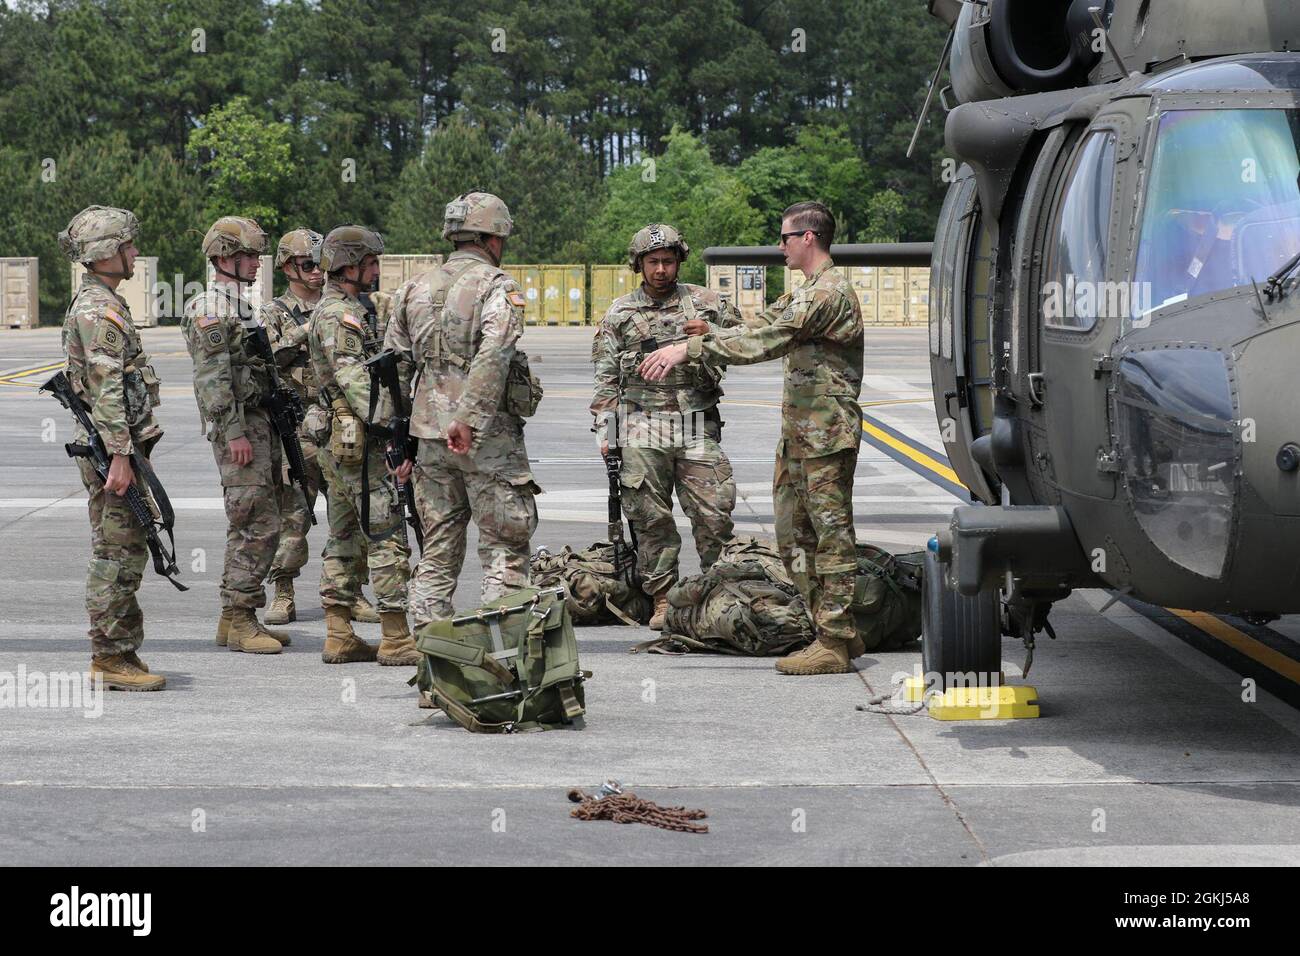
point(797, 232)
point(307, 265)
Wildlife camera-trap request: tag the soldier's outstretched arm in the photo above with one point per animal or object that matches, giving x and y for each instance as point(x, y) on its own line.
point(748, 345)
point(502, 324)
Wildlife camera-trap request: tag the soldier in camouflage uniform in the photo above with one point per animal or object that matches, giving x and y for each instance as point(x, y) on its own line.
point(109, 370)
point(669, 430)
point(818, 329)
point(341, 340)
point(456, 326)
point(297, 255)
point(230, 379)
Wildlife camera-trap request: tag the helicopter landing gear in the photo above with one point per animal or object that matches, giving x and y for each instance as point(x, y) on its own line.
point(961, 636)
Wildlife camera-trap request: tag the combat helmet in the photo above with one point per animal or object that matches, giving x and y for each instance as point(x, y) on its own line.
point(476, 213)
point(300, 242)
point(652, 237)
point(98, 232)
point(348, 245)
point(232, 234)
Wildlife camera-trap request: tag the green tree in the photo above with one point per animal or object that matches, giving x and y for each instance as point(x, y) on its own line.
point(683, 187)
point(457, 158)
point(886, 217)
point(247, 162)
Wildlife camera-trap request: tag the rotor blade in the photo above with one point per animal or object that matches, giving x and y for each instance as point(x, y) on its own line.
point(848, 254)
point(929, 94)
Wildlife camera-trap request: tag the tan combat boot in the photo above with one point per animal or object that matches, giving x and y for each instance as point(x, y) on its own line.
point(661, 612)
point(132, 658)
point(363, 611)
point(342, 646)
point(281, 636)
point(282, 610)
point(857, 647)
point(817, 658)
point(247, 635)
point(120, 674)
point(223, 627)
point(396, 649)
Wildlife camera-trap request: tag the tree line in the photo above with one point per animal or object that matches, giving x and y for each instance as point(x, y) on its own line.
point(589, 118)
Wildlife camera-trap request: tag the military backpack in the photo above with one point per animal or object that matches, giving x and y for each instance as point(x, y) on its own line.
point(510, 666)
point(599, 593)
point(887, 598)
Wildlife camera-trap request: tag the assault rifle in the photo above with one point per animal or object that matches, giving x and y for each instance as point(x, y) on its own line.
point(284, 408)
point(95, 452)
point(399, 447)
point(624, 556)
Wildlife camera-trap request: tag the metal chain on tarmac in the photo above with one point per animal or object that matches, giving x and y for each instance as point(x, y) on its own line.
point(629, 808)
point(877, 705)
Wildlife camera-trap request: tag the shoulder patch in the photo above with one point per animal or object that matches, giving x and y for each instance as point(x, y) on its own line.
point(109, 338)
point(348, 319)
point(214, 337)
point(516, 299)
point(115, 317)
point(349, 342)
point(203, 321)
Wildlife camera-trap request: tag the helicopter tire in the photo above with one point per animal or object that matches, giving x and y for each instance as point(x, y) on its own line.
point(960, 634)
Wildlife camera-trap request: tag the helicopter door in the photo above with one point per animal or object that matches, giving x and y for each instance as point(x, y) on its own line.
point(1073, 297)
point(960, 321)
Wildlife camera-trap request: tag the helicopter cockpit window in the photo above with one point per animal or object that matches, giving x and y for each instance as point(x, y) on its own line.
point(1078, 271)
point(1178, 451)
point(1223, 204)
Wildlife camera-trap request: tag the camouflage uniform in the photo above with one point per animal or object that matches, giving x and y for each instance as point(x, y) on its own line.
point(108, 368)
point(286, 319)
point(818, 329)
point(341, 339)
point(229, 382)
point(669, 430)
point(458, 325)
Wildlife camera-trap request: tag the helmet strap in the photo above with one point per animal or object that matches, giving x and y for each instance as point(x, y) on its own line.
point(124, 274)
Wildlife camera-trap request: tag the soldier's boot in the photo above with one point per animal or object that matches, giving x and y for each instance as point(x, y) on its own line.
point(817, 658)
point(120, 674)
point(426, 701)
point(660, 614)
point(857, 647)
point(281, 636)
point(223, 627)
point(247, 635)
point(396, 649)
point(363, 611)
point(342, 646)
point(282, 610)
point(132, 658)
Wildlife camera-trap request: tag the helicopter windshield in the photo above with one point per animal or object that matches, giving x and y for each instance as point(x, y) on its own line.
point(1223, 205)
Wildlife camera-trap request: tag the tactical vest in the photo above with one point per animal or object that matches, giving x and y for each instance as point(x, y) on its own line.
point(300, 371)
point(823, 367)
point(250, 378)
point(638, 393)
point(456, 350)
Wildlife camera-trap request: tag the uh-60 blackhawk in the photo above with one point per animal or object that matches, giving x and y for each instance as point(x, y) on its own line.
point(1115, 331)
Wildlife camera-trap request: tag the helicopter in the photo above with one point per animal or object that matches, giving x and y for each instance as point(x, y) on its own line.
point(1114, 324)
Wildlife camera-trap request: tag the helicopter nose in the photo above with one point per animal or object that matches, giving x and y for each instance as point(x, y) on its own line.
point(1269, 424)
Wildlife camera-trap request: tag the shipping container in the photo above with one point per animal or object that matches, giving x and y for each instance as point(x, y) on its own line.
point(19, 292)
point(138, 291)
point(553, 294)
point(744, 286)
point(395, 270)
point(607, 284)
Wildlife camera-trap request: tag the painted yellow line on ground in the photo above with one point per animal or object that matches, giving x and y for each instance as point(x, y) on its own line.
point(920, 457)
point(895, 401)
point(11, 378)
point(1240, 641)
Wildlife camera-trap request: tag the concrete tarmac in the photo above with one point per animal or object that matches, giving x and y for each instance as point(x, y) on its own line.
point(1145, 753)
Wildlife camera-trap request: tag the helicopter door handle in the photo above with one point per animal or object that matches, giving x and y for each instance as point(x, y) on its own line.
point(948, 396)
point(1036, 387)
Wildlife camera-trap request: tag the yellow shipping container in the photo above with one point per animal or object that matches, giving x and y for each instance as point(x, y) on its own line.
point(607, 284)
point(394, 270)
point(19, 292)
point(891, 279)
point(743, 286)
point(553, 294)
point(918, 277)
point(892, 314)
point(138, 291)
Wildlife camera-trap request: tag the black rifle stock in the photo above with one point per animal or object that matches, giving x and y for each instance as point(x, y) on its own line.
point(624, 556)
point(95, 452)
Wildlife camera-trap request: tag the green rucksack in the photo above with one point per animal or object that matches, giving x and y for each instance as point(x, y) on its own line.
point(598, 593)
point(745, 604)
point(887, 598)
point(510, 666)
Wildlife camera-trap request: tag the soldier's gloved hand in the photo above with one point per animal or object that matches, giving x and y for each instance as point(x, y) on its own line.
point(459, 437)
point(120, 475)
point(696, 327)
point(403, 471)
point(241, 451)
